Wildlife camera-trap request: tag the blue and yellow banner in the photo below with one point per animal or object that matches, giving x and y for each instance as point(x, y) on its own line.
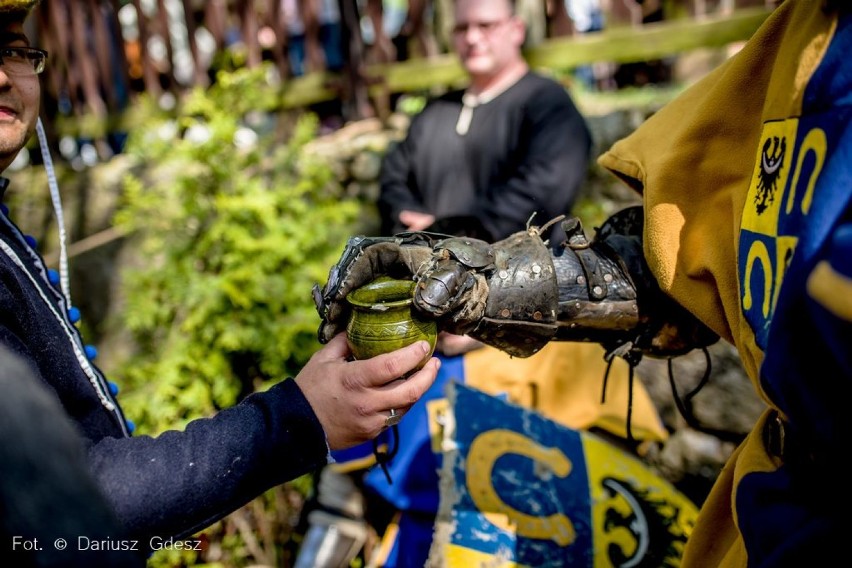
point(518, 489)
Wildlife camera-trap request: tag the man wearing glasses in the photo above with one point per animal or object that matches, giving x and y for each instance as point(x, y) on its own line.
point(19, 88)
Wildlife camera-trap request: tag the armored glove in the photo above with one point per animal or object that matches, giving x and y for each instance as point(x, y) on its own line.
point(364, 259)
point(599, 291)
point(504, 294)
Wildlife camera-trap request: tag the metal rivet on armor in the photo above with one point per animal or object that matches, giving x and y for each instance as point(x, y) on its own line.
point(577, 305)
point(607, 277)
point(537, 315)
point(504, 274)
point(536, 268)
point(597, 290)
point(573, 324)
point(467, 242)
point(581, 280)
point(505, 312)
point(465, 258)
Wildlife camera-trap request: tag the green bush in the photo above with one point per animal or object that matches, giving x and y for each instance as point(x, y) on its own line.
point(232, 225)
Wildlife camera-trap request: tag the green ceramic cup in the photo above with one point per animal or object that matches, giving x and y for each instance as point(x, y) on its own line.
point(382, 319)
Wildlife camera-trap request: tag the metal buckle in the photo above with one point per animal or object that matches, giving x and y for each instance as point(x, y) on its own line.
point(775, 435)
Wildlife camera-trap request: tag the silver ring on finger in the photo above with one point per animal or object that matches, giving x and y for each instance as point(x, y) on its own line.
point(393, 418)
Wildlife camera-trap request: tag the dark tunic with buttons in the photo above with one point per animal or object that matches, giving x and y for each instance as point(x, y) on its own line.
point(179, 482)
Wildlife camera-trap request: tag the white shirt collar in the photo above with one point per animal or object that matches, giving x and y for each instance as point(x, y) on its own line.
point(470, 101)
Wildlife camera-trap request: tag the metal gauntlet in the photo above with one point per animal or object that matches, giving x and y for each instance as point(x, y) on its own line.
point(503, 294)
point(607, 294)
point(517, 295)
point(520, 314)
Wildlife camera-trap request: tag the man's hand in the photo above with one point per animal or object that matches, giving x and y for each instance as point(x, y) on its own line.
point(353, 399)
point(451, 344)
point(415, 220)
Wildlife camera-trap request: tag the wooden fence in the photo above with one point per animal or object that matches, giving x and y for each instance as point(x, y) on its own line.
point(104, 53)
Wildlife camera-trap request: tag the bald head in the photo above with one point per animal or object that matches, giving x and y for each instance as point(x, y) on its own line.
point(507, 6)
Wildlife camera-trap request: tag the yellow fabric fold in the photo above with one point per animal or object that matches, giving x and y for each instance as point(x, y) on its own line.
point(694, 162)
point(564, 382)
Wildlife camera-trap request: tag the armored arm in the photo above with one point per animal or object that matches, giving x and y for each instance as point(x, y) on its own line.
point(503, 294)
point(517, 295)
point(608, 295)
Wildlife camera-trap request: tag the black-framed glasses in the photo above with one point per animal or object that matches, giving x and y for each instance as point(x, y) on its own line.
point(22, 61)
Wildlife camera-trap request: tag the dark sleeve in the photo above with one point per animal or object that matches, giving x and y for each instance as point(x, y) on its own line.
point(397, 184)
point(551, 167)
point(182, 481)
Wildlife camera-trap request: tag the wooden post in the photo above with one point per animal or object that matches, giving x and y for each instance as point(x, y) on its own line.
point(104, 49)
point(198, 73)
point(275, 20)
point(248, 29)
point(163, 25)
point(357, 105)
point(150, 76)
point(83, 61)
point(120, 54)
point(215, 20)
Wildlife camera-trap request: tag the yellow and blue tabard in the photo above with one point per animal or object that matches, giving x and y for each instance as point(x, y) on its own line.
point(746, 181)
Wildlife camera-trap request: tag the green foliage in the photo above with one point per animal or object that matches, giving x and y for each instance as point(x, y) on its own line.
point(233, 227)
point(411, 104)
